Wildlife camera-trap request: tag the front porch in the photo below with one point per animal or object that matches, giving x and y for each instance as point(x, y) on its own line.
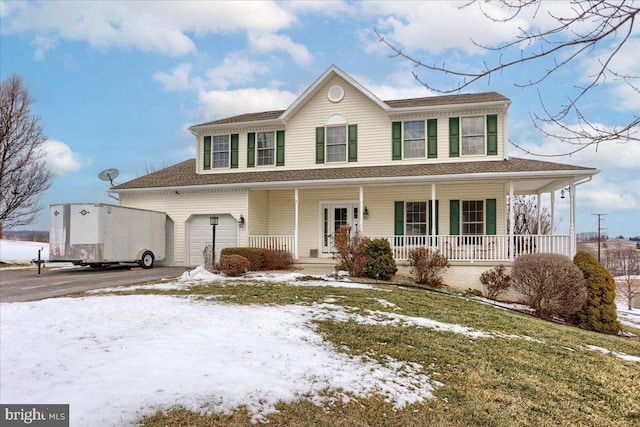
point(500, 248)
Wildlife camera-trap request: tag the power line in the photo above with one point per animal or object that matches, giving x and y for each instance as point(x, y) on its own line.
point(599, 215)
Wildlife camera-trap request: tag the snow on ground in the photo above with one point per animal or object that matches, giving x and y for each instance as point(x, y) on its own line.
point(615, 353)
point(18, 252)
point(117, 358)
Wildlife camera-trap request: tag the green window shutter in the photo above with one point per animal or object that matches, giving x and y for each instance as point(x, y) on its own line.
point(206, 161)
point(353, 143)
point(399, 218)
point(234, 150)
point(251, 149)
point(490, 217)
point(320, 145)
point(492, 135)
point(437, 217)
point(396, 141)
point(454, 137)
point(454, 217)
point(432, 138)
point(280, 148)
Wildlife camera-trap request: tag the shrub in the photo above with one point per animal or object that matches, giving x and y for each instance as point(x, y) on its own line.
point(254, 255)
point(599, 310)
point(381, 264)
point(351, 251)
point(495, 281)
point(234, 265)
point(551, 284)
point(277, 260)
point(427, 266)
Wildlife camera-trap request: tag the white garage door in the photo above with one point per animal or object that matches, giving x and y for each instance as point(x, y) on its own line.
point(200, 235)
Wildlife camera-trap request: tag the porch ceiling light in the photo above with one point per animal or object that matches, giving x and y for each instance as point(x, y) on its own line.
point(563, 191)
point(213, 220)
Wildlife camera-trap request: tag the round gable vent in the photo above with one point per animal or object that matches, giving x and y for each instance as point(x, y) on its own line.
point(336, 93)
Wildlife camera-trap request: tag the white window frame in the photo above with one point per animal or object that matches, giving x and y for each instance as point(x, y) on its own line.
point(464, 148)
point(419, 141)
point(214, 151)
point(416, 219)
point(475, 222)
point(265, 149)
point(343, 143)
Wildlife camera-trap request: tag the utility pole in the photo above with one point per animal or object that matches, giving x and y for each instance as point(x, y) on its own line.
point(599, 215)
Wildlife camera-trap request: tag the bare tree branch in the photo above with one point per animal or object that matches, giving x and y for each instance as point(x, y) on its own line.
point(23, 175)
point(593, 26)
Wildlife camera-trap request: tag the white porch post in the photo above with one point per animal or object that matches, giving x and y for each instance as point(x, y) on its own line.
point(538, 203)
point(512, 222)
point(361, 212)
point(552, 194)
point(572, 218)
point(433, 215)
point(295, 226)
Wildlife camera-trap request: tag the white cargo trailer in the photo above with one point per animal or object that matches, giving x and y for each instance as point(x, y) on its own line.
point(99, 234)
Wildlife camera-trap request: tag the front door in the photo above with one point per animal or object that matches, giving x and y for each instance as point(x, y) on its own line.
point(335, 216)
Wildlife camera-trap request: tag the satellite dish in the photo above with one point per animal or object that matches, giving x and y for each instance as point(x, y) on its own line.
point(109, 175)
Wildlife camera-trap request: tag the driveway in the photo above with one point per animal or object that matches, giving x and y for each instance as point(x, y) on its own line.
point(25, 285)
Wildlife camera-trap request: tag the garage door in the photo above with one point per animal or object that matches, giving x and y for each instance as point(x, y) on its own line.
point(200, 235)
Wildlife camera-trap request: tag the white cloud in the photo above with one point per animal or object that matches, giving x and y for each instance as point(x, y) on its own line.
point(179, 79)
point(160, 27)
point(225, 103)
point(269, 42)
point(235, 69)
point(60, 159)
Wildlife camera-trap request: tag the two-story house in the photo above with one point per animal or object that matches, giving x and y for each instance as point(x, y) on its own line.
point(431, 171)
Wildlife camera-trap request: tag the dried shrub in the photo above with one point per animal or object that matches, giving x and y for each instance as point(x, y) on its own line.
point(381, 263)
point(495, 281)
point(551, 284)
point(234, 265)
point(351, 251)
point(277, 260)
point(254, 255)
point(599, 310)
point(427, 266)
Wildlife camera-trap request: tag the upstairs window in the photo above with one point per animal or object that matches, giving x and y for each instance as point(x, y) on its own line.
point(413, 138)
point(337, 144)
point(266, 148)
point(221, 151)
point(472, 136)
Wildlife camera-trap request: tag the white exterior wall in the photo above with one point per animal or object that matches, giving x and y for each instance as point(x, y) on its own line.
point(374, 132)
point(180, 207)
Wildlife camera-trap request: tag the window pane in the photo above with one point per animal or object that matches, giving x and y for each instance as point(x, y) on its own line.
point(416, 218)
point(414, 139)
point(472, 217)
point(337, 144)
point(220, 151)
point(472, 126)
point(266, 151)
point(472, 142)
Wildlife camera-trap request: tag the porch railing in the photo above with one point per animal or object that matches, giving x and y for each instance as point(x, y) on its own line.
point(455, 248)
point(280, 243)
point(479, 248)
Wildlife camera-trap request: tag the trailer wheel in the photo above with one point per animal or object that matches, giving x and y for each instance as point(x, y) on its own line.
point(147, 260)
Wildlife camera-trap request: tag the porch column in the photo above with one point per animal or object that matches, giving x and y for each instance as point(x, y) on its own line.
point(433, 215)
point(512, 222)
point(295, 226)
point(572, 218)
point(552, 194)
point(361, 212)
point(538, 203)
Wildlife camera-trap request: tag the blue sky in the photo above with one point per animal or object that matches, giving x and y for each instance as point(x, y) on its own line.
point(117, 84)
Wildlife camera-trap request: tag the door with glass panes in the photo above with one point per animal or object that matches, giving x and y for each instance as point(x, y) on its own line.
point(334, 216)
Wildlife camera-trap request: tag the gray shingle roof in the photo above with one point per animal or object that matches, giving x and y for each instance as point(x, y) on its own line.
point(467, 98)
point(184, 174)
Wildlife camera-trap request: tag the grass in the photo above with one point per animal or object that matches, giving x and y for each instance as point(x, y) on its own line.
point(548, 380)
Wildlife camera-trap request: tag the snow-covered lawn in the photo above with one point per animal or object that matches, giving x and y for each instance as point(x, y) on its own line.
point(116, 358)
point(17, 252)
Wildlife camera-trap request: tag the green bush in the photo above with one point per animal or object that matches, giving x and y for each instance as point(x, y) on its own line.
point(380, 264)
point(599, 310)
point(427, 266)
point(277, 260)
point(234, 265)
point(254, 255)
point(549, 283)
point(496, 281)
